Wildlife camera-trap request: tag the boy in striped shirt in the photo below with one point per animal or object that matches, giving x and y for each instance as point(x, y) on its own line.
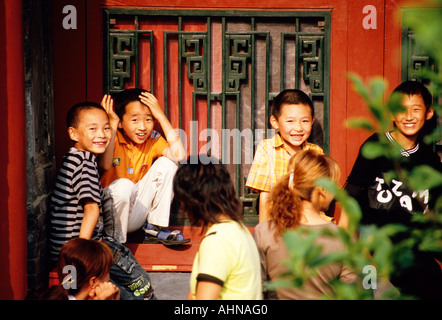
point(76, 200)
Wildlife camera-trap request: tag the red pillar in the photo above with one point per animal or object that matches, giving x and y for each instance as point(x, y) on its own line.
point(13, 265)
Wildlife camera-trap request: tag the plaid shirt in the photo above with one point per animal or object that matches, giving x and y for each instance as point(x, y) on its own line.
point(270, 163)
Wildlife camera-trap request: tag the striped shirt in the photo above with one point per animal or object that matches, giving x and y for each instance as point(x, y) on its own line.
point(77, 182)
point(270, 163)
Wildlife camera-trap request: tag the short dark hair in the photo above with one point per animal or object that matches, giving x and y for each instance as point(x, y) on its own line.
point(415, 88)
point(204, 189)
point(73, 114)
point(123, 98)
point(291, 96)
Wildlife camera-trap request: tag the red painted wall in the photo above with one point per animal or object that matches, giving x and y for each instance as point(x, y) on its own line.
point(13, 268)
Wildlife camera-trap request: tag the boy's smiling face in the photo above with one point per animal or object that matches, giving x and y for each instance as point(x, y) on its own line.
point(294, 124)
point(93, 131)
point(137, 122)
point(410, 122)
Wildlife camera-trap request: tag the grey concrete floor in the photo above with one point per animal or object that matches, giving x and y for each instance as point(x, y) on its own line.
point(170, 285)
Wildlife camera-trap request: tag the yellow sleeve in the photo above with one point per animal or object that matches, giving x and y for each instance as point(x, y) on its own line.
point(259, 174)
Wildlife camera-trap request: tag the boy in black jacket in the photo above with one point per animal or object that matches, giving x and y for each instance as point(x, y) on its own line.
point(384, 202)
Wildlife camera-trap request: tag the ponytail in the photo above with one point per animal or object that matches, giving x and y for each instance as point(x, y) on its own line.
point(305, 167)
point(284, 207)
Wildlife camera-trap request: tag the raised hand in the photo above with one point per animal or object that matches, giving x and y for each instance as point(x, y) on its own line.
point(152, 102)
point(105, 291)
point(108, 104)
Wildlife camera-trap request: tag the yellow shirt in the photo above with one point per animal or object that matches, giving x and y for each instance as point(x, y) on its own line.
point(133, 162)
point(270, 163)
point(229, 257)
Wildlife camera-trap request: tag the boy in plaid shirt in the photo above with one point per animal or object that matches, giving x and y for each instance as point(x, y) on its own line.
point(293, 117)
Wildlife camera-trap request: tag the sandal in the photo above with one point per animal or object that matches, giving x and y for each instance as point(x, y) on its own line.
point(156, 234)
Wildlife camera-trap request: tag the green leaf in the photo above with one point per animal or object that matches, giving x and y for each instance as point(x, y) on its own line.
point(360, 123)
point(350, 205)
point(280, 283)
point(292, 241)
point(377, 88)
point(359, 86)
point(394, 104)
point(373, 150)
point(424, 177)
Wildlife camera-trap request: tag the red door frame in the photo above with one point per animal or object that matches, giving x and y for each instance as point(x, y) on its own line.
point(13, 238)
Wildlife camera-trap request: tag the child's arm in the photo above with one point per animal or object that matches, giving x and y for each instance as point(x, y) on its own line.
point(90, 219)
point(264, 210)
point(206, 290)
point(343, 219)
point(176, 151)
point(105, 159)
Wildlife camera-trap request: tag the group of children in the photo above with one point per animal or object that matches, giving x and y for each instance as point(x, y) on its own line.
point(121, 176)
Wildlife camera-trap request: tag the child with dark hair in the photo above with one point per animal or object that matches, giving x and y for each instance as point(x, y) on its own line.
point(226, 266)
point(386, 202)
point(139, 167)
point(296, 203)
point(76, 200)
point(293, 116)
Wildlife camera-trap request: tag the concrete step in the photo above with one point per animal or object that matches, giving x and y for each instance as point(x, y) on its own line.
point(170, 285)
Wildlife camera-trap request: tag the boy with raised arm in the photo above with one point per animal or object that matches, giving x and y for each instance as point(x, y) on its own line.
point(139, 168)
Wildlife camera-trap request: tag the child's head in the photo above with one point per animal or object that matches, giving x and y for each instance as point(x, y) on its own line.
point(91, 259)
point(417, 101)
point(88, 126)
point(136, 119)
point(293, 115)
point(204, 189)
point(304, 168)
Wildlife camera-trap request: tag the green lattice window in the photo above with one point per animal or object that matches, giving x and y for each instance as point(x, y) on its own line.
point(221, 70)
point(414, 58)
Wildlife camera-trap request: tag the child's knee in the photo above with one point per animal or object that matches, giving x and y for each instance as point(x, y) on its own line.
point(165, 165)
point(121, 189)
